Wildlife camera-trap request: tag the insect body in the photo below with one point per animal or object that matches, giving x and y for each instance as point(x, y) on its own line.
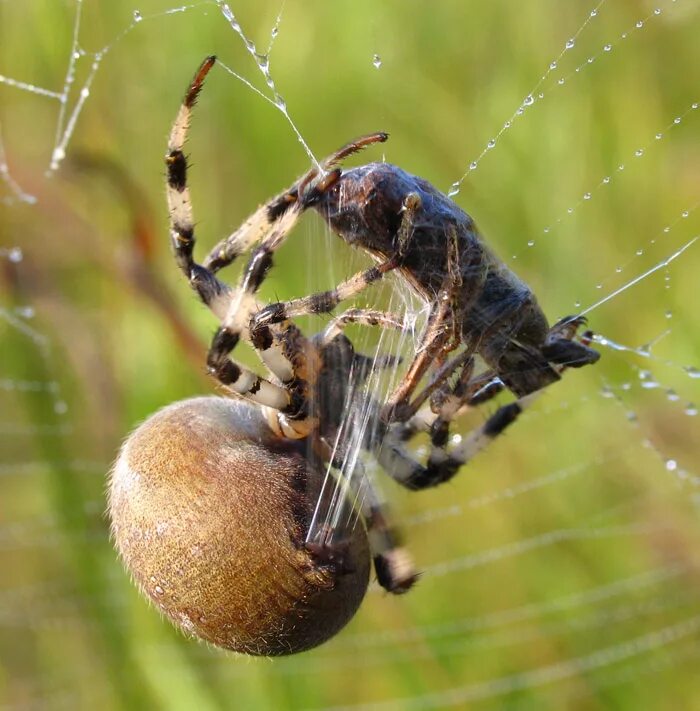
point(397, 216)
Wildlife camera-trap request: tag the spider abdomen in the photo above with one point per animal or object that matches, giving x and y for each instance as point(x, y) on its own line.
point(209, 512)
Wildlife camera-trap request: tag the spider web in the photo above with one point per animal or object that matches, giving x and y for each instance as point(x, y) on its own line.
point(559, 568)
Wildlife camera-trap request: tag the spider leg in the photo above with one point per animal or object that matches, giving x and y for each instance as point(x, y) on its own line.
point(367, 317)
point(326, 301)
point(442, 464)
point(254, 229)
point(392, 562)
point(211, 291)
point(320, 302)
point(214, 293)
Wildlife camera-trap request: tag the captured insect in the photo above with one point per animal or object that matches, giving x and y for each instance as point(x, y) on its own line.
point(285, 430)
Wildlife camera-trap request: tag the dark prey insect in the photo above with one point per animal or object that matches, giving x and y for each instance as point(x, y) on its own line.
point(478, 307)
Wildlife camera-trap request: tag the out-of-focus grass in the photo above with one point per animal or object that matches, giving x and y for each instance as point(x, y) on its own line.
point(570, 501)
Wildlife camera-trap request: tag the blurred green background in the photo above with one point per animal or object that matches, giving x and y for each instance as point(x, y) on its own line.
point(561, 566)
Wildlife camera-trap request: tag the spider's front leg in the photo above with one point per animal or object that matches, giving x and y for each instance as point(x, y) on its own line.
point(217, 295)
point(324, 302)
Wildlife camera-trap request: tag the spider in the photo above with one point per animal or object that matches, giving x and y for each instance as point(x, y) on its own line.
point(478, 307)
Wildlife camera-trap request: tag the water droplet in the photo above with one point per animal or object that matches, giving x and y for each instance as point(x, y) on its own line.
point(694, 106)
point(598, 286)
point(137, 16)
point(606, 179)
point(561, 81)
point(621, 166)
point(594, 13)
point(645, 374)
point(76, 55)
point(228, 14)
point(639, 24)
point(25, 311)
point(639, 152)
point(669, 314)
point(577, 304)
point(639, 252)
point(672, 395)
point(677, 120)
point(691, 410)
point(507, 125)
point(275, 32)
point(685, 213)
point(590, 60)
point(15, 255)
point(60, 407)
point(531, 243)
point(520, 111)
point(659, 136)
point(472, 165)
point(692, 371)
point(606, 391)
point(607, 47)
point(570, 43)
point(546, 229)
point(657, 11)
point(376, 61)
point(570, 210)
point(671, 465)
point(553, 65)
point(529, 100)
point(623, 35)
point(667, 229)
point(85, 92)
point(626, 386)
point(491, 143)
point(618, 269)
point(587, 196)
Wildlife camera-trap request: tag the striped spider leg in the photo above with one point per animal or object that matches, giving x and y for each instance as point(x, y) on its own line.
point(299, 366)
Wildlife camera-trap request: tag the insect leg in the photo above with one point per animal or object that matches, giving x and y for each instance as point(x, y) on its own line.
point(441, 334)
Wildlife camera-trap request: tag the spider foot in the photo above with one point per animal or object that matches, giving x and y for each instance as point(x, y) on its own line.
point(395, 571)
